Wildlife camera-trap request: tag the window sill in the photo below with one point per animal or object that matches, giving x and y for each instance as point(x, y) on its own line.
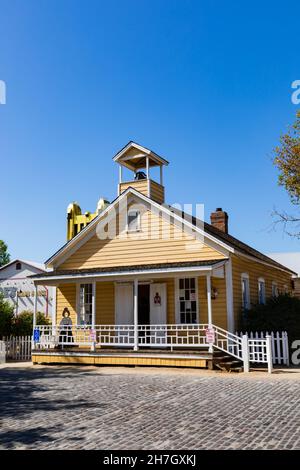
point(133, 231)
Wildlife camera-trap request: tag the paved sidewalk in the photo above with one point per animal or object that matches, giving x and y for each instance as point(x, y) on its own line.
point(140, 408)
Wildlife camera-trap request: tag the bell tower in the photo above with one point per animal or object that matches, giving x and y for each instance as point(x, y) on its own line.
point(140, 161)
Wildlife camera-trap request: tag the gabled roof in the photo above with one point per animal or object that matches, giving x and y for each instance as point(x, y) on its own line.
point(243, 247)
point(290, 259)
point(133, 156)
point(34, 264)
point(224, 240)
point(162, 208)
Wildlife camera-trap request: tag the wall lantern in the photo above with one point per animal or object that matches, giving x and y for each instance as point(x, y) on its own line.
point(214, 292)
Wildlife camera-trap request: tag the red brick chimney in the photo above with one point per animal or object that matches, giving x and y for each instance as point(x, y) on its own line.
point(219, 219)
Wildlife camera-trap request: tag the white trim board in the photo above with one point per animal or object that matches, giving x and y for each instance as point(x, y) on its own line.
point(139, 272)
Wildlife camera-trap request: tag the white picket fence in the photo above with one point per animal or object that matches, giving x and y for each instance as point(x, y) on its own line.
point(18, 348)
point(2, 352)
point(279, 343)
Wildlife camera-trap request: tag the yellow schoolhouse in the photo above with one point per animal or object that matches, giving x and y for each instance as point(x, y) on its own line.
point(140, 282)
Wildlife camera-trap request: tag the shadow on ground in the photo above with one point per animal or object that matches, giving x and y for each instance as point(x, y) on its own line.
point(24, 391)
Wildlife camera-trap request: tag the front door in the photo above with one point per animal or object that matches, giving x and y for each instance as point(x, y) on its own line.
point(124, 313)
point(158, 313)
point(143, 304)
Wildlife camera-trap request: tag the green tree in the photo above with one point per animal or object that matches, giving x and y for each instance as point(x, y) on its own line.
point(4, 255)
point(280, 313)
point(6, 317)
point(287, 160)
point(23, 323)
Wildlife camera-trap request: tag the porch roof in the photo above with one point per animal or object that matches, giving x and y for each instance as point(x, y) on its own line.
point(115, 271)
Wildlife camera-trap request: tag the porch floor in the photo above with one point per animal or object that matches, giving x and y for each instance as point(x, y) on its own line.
point(123, 356)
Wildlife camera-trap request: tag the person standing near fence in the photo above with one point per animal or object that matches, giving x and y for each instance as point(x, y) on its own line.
point(65, 328)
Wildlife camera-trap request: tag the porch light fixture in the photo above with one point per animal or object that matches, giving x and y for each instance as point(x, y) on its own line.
point(214, 293)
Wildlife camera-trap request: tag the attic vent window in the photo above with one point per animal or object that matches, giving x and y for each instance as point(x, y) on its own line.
point(133, 221)
point(18, 266)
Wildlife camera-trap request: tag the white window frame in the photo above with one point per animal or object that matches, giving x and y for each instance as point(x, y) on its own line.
point(133, 230)
point(177, 301)
point(245, 277)
point(261, 282)
point(83, 314)
point(275, 291)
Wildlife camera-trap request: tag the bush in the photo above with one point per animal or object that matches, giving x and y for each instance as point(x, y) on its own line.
point(23, 323)
point(280, 313)
point(6, 317)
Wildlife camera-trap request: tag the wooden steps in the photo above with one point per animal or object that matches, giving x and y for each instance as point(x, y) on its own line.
point(225, 362)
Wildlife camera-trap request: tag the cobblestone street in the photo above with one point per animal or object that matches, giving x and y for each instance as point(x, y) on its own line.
point(89, 408)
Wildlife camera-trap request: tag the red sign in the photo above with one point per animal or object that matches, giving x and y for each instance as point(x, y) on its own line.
point(92, 335)
point(210, 335)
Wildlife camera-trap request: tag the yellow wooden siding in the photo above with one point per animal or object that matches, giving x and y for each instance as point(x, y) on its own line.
point(157, 192)
point(170, 300)
point(118, 360)
point(66, 297)
point(255, 270)
point(158, 242)
point(219, 306)
point(296, 291)
point(139, 185)
point(105, 303)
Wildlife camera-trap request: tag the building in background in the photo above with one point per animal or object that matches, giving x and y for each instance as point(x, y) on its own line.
point(19, 290)
point(292, 261)
point(76, 221)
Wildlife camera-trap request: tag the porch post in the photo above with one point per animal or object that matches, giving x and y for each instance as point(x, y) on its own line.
point(148, 180)
point(229, 296)
point(135, 314)
point(161, 175)
point(120, 178)
point(209, 309)
point(93, 333)
point(35, 306)
point(34, 314)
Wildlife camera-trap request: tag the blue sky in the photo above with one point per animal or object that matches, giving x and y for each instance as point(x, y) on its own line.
point(206, 84)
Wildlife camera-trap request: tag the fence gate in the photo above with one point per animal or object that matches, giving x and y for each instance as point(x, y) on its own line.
point(279, 344)
point(18, 348)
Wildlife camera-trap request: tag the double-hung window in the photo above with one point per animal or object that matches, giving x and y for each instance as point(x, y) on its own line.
point(85, 304)
point(133, 220)
point(275, 291)
point(187, 300)
point(245, 291)
point(261, 291)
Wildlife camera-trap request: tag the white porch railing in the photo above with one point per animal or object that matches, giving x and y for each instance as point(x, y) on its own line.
point(156, 336)
point(120, 335)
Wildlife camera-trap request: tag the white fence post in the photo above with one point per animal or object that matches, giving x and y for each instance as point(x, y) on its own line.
point(245, 353)
point(269, 353)
point(2, 352)
point(285, 345)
